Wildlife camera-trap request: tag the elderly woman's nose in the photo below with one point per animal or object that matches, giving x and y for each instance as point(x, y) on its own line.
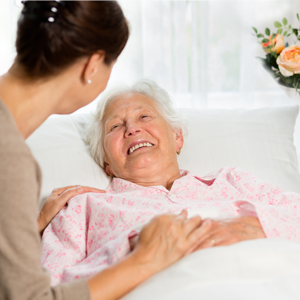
point(133, 129)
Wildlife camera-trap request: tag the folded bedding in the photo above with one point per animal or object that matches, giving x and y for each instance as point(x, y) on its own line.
point(265, 269)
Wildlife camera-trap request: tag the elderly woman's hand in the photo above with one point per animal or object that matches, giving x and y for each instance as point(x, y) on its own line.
point(227, 232)
point(166, 239)
point(57, 200)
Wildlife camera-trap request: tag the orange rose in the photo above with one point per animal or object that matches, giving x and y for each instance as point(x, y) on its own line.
point(289, 61)
point(279, 44)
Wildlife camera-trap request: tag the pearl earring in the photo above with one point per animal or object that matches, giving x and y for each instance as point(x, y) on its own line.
point(89, 81)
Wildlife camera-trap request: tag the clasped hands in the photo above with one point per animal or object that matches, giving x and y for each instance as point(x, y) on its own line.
point(171, 237)
point(228, 231)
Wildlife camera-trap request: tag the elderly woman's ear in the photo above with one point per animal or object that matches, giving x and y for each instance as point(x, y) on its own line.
point(108, 170)
point(178, 140)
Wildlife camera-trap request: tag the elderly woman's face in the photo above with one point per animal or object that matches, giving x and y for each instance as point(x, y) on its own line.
point(137, 139)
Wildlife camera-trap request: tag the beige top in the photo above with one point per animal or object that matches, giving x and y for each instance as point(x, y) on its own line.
point(21, 274)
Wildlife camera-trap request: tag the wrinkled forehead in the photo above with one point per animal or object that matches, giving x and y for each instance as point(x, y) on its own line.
point(126, 103)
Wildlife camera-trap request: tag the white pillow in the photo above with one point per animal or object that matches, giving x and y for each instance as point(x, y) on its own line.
point(62, 152)
point(259, 141)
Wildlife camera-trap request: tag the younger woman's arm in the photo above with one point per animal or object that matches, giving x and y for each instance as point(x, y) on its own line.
point(162, 242)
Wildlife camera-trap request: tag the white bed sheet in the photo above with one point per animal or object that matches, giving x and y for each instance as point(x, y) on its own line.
point(267, 269)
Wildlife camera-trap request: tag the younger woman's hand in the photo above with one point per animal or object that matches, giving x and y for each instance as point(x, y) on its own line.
point(228, 232)
point(57, 200)
point(165, 240)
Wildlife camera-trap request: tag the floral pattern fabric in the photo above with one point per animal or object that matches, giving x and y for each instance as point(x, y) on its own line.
point(93, 231)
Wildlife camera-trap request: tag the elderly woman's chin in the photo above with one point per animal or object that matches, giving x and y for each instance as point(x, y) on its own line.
point(142, 164)
point(147, 160)
point(143, 158)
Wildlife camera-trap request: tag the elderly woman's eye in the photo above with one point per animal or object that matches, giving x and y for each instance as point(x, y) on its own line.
point(113, 127)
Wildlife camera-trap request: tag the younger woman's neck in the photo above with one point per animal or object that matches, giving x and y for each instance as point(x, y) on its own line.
point(30, 102)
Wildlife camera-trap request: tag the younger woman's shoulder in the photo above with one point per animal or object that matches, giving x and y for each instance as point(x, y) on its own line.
point(11, 140)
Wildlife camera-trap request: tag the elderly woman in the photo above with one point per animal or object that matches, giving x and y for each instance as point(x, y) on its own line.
point(135, 136)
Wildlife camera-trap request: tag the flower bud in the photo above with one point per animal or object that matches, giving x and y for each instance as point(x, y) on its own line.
point(277, 44)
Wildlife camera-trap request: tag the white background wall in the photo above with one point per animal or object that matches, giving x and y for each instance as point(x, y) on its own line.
point(201, 52)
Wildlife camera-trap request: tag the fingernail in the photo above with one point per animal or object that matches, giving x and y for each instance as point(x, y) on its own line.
point(79, 189)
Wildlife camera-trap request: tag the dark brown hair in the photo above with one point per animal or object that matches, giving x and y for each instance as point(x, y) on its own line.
point(52, 35)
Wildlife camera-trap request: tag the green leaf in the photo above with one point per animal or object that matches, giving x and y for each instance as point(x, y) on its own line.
point(284, 34)
point(277, 24)
point(284, 21)
point(259, 35)
point(298, 17)
point(290, 26)
point(295, 31)
point(271, 60)
point(265, 41)
point(267, 31)
point(273, 36)
point(288, 34)
point(279, 31)
point(255, 29)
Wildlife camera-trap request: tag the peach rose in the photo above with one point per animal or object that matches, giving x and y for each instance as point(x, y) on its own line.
point(279, 44)
point(289, 61)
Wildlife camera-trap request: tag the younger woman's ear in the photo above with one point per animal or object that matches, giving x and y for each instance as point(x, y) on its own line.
point(92, 65)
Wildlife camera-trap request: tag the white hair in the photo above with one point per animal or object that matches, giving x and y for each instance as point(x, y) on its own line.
point(147, 87)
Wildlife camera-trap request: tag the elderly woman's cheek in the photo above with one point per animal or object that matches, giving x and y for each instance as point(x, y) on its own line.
point(112, 148)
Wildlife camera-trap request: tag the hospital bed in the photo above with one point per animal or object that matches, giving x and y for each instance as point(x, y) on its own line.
point(260, 141)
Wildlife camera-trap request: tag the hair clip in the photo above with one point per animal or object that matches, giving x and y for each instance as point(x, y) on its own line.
point(42, 10)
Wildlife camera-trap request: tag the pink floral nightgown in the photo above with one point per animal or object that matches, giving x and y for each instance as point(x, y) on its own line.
point(92, 231)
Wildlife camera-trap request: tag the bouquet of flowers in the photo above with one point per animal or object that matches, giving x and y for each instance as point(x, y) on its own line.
point(282, 60)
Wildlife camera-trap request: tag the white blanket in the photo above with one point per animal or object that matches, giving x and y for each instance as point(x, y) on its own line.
point(267, 269)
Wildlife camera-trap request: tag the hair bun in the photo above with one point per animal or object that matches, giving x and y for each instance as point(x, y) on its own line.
point(43, 11)
point(80, 29)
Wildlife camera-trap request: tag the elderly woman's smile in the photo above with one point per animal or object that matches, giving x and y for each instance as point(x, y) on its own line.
point(138, 141)
point(138, 145)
